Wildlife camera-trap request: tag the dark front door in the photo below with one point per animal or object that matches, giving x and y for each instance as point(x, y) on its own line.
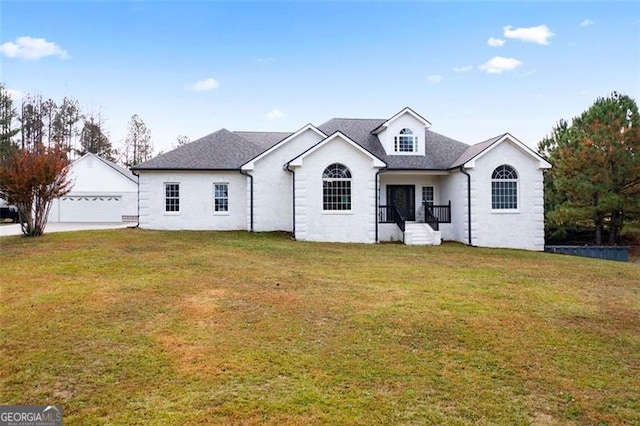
point(404, 198)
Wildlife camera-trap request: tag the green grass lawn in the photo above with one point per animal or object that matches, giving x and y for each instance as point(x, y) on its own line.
point(131, 326)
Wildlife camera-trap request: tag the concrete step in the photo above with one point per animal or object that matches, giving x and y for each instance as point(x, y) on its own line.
point(421, 234)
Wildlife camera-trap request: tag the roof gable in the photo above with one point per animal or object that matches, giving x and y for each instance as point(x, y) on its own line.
point(297, 161)
point(440, 150)
point(249, 165)
point(89, 156)
point(406, 110)
point(475, 152)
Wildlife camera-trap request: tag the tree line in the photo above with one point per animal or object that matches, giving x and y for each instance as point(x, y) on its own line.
point(37, 140)
point(595, 180)
point(39, 122)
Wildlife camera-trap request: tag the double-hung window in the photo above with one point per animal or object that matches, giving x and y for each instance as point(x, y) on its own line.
point(171, 197)
point(220, 197)
point(504, 188)
point(336, 188)
point(427, 195)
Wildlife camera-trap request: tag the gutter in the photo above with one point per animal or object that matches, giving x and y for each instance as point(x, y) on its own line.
point(377, 203)
point(468, 201)
point(138, 206)
point(242, 172)
point(177, 169)
point(293, 197)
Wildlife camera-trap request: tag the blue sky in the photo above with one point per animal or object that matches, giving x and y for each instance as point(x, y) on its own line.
point(474, 70)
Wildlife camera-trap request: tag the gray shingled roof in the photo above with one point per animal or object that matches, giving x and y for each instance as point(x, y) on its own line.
point(263, 139)
point(222, 150)
point(225, 150)
point(474, 150)
point(440, 150)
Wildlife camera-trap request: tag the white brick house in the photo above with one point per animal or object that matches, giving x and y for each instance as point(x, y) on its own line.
point(351, 180)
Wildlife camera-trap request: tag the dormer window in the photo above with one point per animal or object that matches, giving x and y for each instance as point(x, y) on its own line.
point(405, 141)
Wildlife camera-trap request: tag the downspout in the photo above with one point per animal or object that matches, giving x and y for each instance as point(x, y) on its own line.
point(138, 206)
point(468, 201)
point(293, 197)
point(242, 172)
point(377, 203)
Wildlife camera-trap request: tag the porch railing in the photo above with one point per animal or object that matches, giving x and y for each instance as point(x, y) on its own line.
point(441, 213)
point(434, 215)
point(431, 220)
point(390, 214)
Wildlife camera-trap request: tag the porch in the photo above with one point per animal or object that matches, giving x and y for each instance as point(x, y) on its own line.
point(415, 207)
point(425, 230)
point(431, 214)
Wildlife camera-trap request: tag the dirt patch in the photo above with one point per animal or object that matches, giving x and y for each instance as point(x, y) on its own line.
point(191, 357)
point(542, 419)
point(202, 307)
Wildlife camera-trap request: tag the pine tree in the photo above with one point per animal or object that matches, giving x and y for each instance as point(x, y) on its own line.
point(596, 167)
point(8, 117)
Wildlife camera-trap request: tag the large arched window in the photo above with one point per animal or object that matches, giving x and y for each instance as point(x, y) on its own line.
point(405, 141)
point(504, 188)
point(336, 188)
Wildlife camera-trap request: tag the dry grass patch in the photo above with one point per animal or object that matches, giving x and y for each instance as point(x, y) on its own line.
point(131, 326)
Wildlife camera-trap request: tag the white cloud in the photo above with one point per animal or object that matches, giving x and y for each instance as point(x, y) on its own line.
point(540, 34)
point(30, 48)
point(586, 23)
point(275, 114)
point(495, 42)
point(434, 79)
point(205, 85)
point(499, 64)
point(16, 95)
point(465, 68)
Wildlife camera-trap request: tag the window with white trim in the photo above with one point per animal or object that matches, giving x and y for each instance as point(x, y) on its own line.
point(504, 188)
point(336, 188)
point(220, 197)
point(171, 197)
point(405, 141)
point(428, 195)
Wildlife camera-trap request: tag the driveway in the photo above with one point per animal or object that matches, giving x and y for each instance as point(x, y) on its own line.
point(14, 229)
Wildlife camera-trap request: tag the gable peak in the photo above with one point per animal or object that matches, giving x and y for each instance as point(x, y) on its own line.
point(405, 111)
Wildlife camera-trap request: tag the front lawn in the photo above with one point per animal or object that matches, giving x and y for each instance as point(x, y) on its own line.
point(130, 326)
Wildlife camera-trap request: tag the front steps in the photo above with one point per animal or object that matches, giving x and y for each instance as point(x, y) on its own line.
point(421, 234)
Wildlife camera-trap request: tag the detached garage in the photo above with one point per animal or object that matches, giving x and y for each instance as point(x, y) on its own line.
point(102, 192)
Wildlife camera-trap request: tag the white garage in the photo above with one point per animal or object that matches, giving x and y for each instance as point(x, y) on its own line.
point(91, 208)
point(102, 192)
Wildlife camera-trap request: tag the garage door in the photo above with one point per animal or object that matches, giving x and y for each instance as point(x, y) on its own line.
point(87, 208)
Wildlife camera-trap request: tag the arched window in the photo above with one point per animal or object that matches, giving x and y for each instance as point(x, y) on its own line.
point(336, 188)
point(405, 141)
point(504, 188)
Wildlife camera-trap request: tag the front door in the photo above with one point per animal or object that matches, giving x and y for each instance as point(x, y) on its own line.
point(404, 198)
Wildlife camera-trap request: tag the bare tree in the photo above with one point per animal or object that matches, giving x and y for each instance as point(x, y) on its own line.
point(182, 140)
point(67, 117)
point(31, 121)
point(138, 145)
